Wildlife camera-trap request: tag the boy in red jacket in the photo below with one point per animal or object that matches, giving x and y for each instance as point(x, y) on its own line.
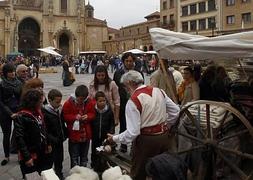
point(78, 112)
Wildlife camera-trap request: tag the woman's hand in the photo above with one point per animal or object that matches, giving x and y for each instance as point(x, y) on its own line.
point(29, 163)
point(49, 149)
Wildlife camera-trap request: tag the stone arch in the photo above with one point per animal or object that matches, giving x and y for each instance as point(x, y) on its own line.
point(28, 36)
point(65, 40)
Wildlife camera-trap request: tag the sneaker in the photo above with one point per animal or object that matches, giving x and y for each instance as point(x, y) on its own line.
point(4, 162)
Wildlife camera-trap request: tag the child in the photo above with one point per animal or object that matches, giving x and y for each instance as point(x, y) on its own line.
point(56, 129)
point(103, 124)
point(78, 112)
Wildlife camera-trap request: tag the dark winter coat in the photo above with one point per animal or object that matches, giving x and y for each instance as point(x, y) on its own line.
point(102, 124)
point(10, 92)
point(30, 135)
point(55, 125)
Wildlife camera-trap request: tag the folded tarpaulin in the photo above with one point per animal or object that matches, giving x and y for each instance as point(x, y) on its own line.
point(182, 46)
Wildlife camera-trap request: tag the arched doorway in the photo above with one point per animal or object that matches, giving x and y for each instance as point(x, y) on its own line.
point(29, 37)
point(64, 44)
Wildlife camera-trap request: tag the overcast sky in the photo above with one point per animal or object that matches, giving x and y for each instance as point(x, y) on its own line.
point(120, 13)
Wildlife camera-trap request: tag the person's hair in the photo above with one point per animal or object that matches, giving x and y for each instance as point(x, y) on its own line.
point(133, 76)
point(209, 74)
point(32, 84)
point(8, 67)
point(99, 94)
point(53, 93)
point(221, 72)
point(81, 91)
point(189, 69)
point(31, 98)
point(65, 65)
point(99, 69)
point(126, 55)
point(21, 67)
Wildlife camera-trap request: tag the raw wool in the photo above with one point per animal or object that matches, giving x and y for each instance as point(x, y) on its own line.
point(125, 177)
point(114, 173)
point(74, 177)
point(49, 175)
point(82, 173)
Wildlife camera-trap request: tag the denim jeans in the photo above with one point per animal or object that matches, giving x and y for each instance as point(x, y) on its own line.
point(78, 152)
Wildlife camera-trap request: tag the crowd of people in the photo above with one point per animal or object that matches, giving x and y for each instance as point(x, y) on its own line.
point(144, 113)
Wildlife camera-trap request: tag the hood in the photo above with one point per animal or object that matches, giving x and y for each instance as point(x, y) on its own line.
point(102, 110)
point(50, 109)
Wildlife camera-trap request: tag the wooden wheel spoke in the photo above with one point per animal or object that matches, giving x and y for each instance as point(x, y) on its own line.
point(232, 151)
point(191, 149)
point(214, 166)
point(223, 120)
point(208, 125)
point(242, 175)
point(234, 135)
point(187, 112)
point(191, 137)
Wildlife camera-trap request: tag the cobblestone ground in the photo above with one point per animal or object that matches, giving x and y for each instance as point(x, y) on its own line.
point(51, 80)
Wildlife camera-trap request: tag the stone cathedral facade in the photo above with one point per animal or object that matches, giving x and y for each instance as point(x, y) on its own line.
point(69, 25)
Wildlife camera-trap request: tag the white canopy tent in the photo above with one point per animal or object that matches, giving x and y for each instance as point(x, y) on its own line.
point(50, 50)
point(181, 46)
point(134, 51)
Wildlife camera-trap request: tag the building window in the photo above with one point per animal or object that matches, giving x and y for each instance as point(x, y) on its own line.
point(90, 14)
point(171, 3)
point(211, 23)
point(164, 5)
point(147, 29)
point(184, 26)
point(138, 31)
point(202, 7)
point(193, 25)
point(211, 5)
point(202, 24)
point(172, 17)
point(246, 17)
point(185, 11)
point(64, 5)
point(193, 9)
point(164, 20)
point(230, 2)
point(231, 19)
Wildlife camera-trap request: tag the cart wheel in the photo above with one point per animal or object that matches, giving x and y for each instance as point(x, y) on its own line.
point(215, 146)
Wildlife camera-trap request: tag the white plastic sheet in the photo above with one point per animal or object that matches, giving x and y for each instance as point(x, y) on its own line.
point(182, 46)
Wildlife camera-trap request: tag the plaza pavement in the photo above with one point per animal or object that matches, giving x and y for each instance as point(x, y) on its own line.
point(51, 81)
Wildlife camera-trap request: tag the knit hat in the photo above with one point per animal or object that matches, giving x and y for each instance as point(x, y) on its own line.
point(7, 68)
